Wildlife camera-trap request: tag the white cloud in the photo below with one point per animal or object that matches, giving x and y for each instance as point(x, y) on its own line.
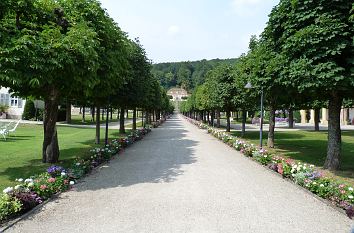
point(173, 30)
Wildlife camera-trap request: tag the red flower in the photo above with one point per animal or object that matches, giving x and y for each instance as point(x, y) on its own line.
point(280, 168)
point(43, 186)
point(51, 180)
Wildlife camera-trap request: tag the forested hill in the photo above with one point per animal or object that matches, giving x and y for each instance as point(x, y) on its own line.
point(186, 74)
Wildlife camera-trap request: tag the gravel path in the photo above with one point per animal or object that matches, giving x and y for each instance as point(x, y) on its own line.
point(179, 179)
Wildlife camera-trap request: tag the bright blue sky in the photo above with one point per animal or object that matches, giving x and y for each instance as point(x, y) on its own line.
point(182, 30)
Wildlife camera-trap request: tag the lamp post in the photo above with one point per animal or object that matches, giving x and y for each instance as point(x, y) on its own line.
point(249, 86)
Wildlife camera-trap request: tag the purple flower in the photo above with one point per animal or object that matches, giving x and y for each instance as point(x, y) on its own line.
point(55, 170)
point(314, 176)
point(350, 212)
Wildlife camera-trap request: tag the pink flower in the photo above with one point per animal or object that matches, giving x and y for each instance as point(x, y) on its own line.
point(66, 182)
point(280, 168)
point(51, 180)
point(43, 186)
point(341, 186)
point(342, 191)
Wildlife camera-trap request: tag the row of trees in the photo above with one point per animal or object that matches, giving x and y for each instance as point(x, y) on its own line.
point(303, 59)
point(72, 51)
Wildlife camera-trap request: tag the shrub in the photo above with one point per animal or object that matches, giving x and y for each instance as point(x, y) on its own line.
point(9, 206)
point(46, 186)
point(28, 200)
point(3, 108)
point(29, 111)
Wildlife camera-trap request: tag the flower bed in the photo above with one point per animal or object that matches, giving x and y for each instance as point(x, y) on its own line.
point(28, 193)
point(302, 174)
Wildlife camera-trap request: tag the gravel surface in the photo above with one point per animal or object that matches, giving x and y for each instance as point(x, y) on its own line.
point(179, 179)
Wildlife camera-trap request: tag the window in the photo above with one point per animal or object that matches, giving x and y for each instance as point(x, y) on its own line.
point(14, 101)
point(4, 99)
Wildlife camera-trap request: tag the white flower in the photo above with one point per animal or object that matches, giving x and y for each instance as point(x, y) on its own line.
point(20, 180)
point(312, 166)
point(77, 164)
point(28, 180)
point(350, 197)
point(314, 183)
point(31, 184)
point(63, 174)
point(350, 189)
point(265, 156)
point(72, 182)
point(321, 185)
point(8, 190)
point(17, 187)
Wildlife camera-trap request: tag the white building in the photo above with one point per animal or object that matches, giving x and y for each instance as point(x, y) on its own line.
point(16, 105)
point(178, 94)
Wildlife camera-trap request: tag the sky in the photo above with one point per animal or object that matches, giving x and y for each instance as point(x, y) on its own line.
point(189, 30)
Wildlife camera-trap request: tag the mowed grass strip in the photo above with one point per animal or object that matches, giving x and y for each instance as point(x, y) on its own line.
point(310, 147)
point(21, 153)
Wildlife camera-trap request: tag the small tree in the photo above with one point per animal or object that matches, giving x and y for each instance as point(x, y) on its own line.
point(29, 111)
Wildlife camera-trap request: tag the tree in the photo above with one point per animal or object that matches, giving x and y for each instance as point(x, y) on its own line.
point(316, 38)
point(46, 54)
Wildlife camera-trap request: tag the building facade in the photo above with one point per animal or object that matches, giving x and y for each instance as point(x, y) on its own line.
point(178, 94)
point(346, 116)
point(15, 104)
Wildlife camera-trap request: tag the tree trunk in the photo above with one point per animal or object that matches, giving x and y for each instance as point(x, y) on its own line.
point(228, 126)
point(237, 117)
point(334, 133)
point(127, 113)
point(68, 112)
point(98, 125)
point(121, 120)
point(103, 114)
point(111, 113)
point(212, 118)
point(291, 119)
point(317, 119)
point(147, 117)
point(142, 118)
point(83, 114)
point(271, 126)
point(244, 118)
point(217, 118)
point(134, 119)
point(93, 114)
point(50, 150)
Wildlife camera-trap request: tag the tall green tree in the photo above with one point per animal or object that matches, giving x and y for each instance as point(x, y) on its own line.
point(46, 54)
point(316, 38)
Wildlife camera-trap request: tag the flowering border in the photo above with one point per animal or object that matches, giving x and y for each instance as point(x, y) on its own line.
point(29, 193)
point(305, 175)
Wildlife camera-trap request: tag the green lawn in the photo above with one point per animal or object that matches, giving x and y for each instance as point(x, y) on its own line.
point(77, 119)
point(20, 155)
point(310, 147)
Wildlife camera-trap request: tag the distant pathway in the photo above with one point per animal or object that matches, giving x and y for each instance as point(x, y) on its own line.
point(179, 179)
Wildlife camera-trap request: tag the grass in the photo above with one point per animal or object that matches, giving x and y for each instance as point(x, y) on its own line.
point(77, 119)
point(310, 147)
point(20, 155)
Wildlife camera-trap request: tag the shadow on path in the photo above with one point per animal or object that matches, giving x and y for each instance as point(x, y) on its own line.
point(162, 156)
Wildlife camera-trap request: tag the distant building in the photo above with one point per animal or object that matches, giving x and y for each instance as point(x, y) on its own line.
point(178, 94)
point(346, 116)
point(15, 104)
